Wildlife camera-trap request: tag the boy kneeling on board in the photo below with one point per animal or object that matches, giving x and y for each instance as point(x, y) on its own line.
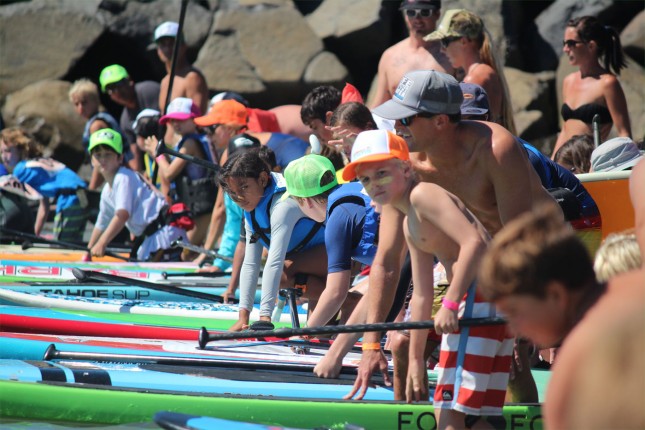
point(127, 200)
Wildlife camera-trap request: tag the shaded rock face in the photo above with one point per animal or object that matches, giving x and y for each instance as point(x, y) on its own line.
point(275, 51)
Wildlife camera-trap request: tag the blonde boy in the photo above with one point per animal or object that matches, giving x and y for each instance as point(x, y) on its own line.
point(474, 362)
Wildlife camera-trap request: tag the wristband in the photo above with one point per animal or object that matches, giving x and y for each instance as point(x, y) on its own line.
point(159, 157)
point(449, 304)
point(371, 346)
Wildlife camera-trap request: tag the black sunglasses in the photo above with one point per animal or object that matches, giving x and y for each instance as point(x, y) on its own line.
point(407, 121)
point(210, 129)
point(116, 86)
point(416, 13)
point(570, 43)
point(448, 40)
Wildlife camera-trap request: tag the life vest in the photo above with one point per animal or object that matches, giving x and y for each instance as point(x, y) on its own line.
point(353, 192)
point(306, 232)
point(197, 189)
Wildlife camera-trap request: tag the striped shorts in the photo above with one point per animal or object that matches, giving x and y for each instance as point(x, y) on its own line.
point(69, 223)
point(474, 363)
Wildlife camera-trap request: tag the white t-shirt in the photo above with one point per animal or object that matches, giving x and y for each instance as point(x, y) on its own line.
point(130, 192)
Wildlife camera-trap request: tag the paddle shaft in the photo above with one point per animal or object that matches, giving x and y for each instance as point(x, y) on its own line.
point(201, 250)
point(173, 67)
point(29, 244)
point(163, 149)
point(53, 354)
point(90, 274)
point(167, 275)
point(595, 122)
point(205, 337)
point(59, 243)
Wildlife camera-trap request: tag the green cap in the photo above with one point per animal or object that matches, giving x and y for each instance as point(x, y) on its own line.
point(106, 136)
point(304, 174)
point(112, 74)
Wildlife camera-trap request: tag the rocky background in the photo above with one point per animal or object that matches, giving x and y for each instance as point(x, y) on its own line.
point(275, 51)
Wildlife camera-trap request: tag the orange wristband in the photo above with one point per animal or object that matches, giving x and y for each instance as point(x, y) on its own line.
point(371, 346)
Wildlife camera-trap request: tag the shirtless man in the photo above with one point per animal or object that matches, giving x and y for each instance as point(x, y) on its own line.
point(412, 53)
point(188, 81)
point(480, 162)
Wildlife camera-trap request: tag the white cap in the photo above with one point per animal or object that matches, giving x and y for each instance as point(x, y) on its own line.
point(166, 29)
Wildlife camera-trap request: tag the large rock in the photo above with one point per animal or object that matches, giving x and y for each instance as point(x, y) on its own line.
point(633, 38)
point(532, 97)
point(44, 109)
point(42, 40)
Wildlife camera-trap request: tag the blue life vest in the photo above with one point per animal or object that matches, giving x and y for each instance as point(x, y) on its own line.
point(306, 233)
point(355, 193)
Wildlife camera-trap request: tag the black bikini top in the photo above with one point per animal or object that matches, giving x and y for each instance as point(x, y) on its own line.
point(585, 113)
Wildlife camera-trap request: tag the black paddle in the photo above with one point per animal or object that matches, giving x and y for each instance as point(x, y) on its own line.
point(205, 337)
point(195, 248)
point(75, 246)
point(167, 275)
point(29, 244)
point(83, 275)
point(163, 149)
point(53, 354)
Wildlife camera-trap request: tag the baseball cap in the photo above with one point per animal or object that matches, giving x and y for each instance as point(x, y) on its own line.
point(166, 29)
point(375, 145)
point(475, 99)
point(146, 113)
point(242, 141)
point(457, 23)
point(228, 95)
point(224, 112)
point(108, 137)
point(423, 91)
point(112, 74)
point(619, 153)
point(303, 176)
point(181, 108)
point(420, 4)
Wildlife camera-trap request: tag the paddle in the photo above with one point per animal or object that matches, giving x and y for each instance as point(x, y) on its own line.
point(62, 244)
point(167, 275)
point(205, 337)
point(163, 149)
point(83, 275)
point(29, 244)
point(201, 250)
point(53, 354)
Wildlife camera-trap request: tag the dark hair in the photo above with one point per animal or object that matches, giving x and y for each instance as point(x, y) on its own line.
point(576, 152)
point(354, 114)
point(318, 102)
point(149, 126)
point(268, 156)
point(334, 156)
point(248, 164)
point(608, 41)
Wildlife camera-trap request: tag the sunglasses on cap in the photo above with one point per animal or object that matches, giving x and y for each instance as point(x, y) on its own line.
point(408, 121)
point(446, 41)
point(570, 43)
point(419, 13)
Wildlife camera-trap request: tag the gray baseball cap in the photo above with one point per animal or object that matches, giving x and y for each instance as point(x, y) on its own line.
point(619, 153)
point(423, 91)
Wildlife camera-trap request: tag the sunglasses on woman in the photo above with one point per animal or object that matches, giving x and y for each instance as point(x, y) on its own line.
point(448, 40)
point(570, 43)
point(418, 13)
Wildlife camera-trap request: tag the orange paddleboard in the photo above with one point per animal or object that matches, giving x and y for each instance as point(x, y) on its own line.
point(15, 252)
point(610, 190)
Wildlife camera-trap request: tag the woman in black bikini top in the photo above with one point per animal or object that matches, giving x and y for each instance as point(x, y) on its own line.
point(593, 89)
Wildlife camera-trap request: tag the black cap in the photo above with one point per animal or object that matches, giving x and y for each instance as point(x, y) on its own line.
point(420, 4)
point(242, 141)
